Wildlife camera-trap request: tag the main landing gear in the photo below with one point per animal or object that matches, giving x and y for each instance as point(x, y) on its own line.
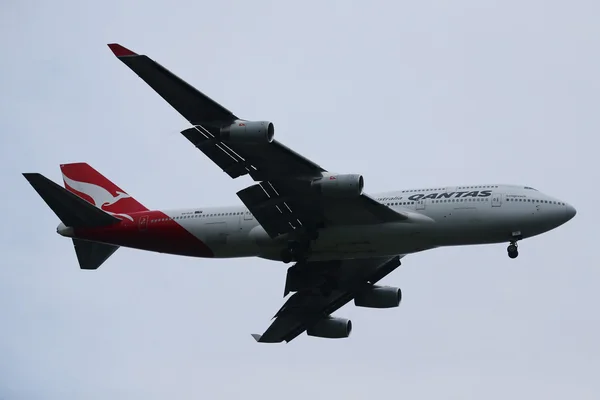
point(299, 250)
point(295, 251)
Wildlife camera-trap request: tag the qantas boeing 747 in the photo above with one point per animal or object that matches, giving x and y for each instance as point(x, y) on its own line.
point(341, 241)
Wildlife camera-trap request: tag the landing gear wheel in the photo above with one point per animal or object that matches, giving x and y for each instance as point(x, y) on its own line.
point(295, 251)
point(513, 251)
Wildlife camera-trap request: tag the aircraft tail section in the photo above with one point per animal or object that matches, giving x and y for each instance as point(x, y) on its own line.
point(89, 184)
point(75, 212)
point(72, 210)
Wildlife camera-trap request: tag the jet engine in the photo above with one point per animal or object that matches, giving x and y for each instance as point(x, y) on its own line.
point(248, 132)
point(331, 328)
point(379, 297)
point(347, 185)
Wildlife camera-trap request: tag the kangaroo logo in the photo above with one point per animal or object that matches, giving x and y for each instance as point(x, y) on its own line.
point(101, 197)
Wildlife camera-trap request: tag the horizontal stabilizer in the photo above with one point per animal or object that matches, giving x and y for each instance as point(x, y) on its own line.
point(91, 255)
point(72, 210)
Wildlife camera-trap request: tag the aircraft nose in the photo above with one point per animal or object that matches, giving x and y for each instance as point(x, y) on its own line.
point(570, 211)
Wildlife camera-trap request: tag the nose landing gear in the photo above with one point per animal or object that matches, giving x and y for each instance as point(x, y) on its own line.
point(513, 250)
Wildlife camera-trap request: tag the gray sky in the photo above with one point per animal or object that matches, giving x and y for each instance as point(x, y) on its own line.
point(409, 94)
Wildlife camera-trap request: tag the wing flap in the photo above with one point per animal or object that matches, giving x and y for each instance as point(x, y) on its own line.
point(272, 213)
point(229, 161)
point(263, 161)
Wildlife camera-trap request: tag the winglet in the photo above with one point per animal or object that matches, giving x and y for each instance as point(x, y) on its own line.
point(121, 51)
point(256, 337)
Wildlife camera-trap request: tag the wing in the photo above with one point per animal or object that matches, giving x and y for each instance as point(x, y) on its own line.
point(189, 102)
point(309, 305)
point(286, 206)
point(264, 161)
point(282, 201)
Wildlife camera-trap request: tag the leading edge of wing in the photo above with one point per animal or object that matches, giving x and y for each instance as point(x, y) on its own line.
point(386, 214)
point(192, 104)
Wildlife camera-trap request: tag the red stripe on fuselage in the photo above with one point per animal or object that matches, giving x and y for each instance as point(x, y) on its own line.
point(163, 236)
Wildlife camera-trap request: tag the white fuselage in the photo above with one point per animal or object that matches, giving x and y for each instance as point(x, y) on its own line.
point(462, 215)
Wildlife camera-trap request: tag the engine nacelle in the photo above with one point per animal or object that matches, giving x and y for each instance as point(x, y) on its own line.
point(346, 185)
point(379, 297)
point(331, 328)
point(248, 132)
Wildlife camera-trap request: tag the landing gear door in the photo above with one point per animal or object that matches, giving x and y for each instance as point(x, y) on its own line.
point(496, 200)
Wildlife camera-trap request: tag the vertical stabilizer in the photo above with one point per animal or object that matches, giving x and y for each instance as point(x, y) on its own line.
point(89, 184)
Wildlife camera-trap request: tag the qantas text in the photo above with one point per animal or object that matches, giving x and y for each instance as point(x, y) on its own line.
point(474, 193)
point(447, 195)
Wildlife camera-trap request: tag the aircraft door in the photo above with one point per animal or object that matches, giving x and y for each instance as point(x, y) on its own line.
point(496, 200)
point(246, 221)
point(420, 204)
point(143, 223)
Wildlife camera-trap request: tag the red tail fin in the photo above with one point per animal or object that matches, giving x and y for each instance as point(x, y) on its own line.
point(89, 184)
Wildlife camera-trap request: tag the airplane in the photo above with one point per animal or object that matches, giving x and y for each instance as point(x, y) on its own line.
point(340, 240)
